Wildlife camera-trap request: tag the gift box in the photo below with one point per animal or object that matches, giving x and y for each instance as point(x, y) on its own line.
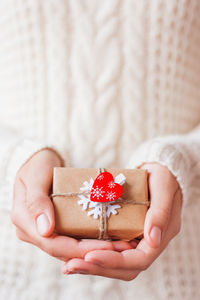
point(100, 203)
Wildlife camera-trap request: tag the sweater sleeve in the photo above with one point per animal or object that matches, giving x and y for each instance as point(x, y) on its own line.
point(181, 154)
point(15, 150)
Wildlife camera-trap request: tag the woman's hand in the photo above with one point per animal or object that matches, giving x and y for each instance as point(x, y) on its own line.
point(162, 223)
point(33, 212)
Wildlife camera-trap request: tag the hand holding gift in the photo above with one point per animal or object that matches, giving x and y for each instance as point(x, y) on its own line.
point(162, 223)
point(33, 211)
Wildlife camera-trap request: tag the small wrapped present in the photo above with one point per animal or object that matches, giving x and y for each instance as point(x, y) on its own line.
point(100, 203)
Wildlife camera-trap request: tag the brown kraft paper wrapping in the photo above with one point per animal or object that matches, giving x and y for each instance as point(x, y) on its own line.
point(73, 221)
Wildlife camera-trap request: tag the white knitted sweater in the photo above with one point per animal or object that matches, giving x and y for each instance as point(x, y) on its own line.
point(105, 83)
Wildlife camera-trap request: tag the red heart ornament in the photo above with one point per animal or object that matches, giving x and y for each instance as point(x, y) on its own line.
point(105, 189)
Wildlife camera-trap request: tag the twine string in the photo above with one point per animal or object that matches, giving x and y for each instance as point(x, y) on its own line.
point(103, 228)
point(103, 218)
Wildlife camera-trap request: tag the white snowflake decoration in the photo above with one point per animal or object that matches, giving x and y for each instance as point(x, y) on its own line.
point(110, 196)
point(101, 177)
point(97, 192)
point(111, 209)
point(95, 207)
point(111, 184)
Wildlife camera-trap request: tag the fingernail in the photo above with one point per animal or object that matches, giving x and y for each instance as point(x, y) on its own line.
point(155, 235)
point(134, 243)
point(68, 272)
point(79, 272)
point(42, 224)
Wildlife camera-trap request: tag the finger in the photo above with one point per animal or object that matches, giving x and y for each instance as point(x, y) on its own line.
point(23, 237)
point(20, 216)
point(38, 174)
point(122, 245)
point(21, 234)
point(171, 231)
point(38, 203)
point(158, 215)
point(19, 197)
point(114, 259)
point(83, 246)
point(81, 267)
point(32, 191)
point(63, 246)
point(38, 183)
point(40, 209)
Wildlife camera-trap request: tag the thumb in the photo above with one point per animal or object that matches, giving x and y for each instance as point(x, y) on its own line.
point(158, 215)
point(39, 204)
point(37, 176)
point(41, 211)
point(156, 221)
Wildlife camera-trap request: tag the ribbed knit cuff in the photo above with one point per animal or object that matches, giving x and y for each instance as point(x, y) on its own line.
point(19, 155)
point(169, 152)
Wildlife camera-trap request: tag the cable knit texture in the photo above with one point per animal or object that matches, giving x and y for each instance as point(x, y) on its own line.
point(104, 83)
